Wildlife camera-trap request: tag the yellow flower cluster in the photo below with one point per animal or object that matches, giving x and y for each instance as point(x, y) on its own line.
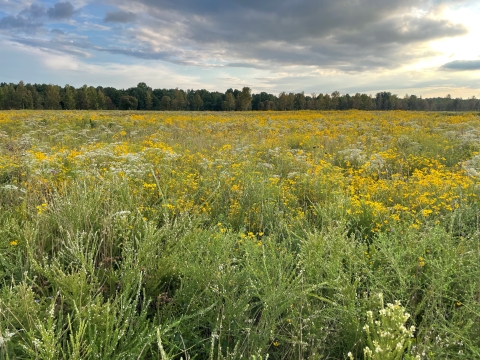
point(249, 170)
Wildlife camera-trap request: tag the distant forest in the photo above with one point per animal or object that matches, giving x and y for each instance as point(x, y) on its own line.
point(142, 97)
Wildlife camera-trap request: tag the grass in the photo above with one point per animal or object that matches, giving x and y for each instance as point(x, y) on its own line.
point(226, 236)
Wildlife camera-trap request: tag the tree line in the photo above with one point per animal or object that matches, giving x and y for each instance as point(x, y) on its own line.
point(142, 97)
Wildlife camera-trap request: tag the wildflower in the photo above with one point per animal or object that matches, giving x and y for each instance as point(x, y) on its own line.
point(421, 261)
point(41, 208)
point(14, 243)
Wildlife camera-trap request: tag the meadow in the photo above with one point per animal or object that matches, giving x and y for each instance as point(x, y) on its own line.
point(254, 235)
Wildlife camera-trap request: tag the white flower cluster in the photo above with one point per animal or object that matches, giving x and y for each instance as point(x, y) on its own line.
point(387, 335)
point(4, 338)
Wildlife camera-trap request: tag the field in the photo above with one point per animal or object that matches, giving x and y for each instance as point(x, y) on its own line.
point(162, 235)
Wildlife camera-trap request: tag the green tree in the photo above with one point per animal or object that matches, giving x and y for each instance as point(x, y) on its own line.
point(92, 98)
point(148, 100)
point(245, 99)
point(140, 92)
point(334, 100)
point(180, 99)
point(23, 97)
point(320, 103)
point(327, 102)
point(229, 101)
point(291, 101)
point(165, 103)
point(101, 100)
point(52, 97)
point(81, 98)
point(2, 97)
point(385, 101)
point(312, 102)
point(109, 105)
point(282, 101)
point(69, 97)
point(36, 97)
point(412, 102)
point(9, 97)
point(300, 101)
point(128, 102)
point(197, 102)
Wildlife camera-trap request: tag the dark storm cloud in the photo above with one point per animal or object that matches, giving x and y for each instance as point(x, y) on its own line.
point(351, 34)
point(119, 16)
point(61, 10)
point(462, 65)
point(282, 20)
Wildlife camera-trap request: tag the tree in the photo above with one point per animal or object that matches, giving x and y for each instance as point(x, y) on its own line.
point(472, 104)
point(385, 101)
point(334, 100)
point(412, 102)
point(312, 102)
point(114, 96)
point(128, 102)
point(197, 102)
point(229, 101)
point(92, 98)
point(165, 103)
point(9, 97)
point(320, 103)
point(2, 97)
point(180, 99)
point(300, 101)
point(109, 105)
point(37, 98)
point(81, 99)
point(69, 98)
point(23, 97)
point(52, 97)
point(140, 93)
point(101, 100)
point(148, 100)
point(327, 102)
point(245, 99)
point(282, 101)
point(367, 102)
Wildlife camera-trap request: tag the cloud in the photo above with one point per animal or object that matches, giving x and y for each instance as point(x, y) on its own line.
point(60, 45)
point(57, 32)
point(35, 11)
point(120, 16)
point(345, 34)
point(13, 7)
point(462, 65)
point(245, 65)
point(61, 10)
point(30, 18)
point(36, 66)
point(18, 23)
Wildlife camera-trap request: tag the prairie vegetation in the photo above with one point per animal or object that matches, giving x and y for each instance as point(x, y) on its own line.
point(147, 235)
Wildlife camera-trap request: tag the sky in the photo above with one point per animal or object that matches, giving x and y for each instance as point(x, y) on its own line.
point(422, 47)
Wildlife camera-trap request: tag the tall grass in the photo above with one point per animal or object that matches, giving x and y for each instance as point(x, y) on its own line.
point(206, 237)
